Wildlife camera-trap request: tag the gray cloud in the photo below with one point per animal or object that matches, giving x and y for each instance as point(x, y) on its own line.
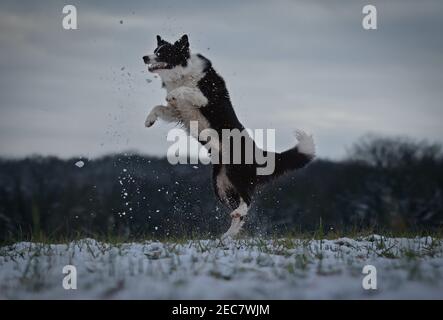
point(287, 64)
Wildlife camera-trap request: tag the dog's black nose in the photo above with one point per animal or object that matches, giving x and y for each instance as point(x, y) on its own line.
point(146, 59)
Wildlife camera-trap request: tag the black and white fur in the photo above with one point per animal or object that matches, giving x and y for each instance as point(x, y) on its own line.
point(195, 92)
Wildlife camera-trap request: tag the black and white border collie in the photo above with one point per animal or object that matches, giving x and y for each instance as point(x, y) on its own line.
point(196, 92)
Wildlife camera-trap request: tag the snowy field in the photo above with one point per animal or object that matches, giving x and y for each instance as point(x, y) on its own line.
point(242, 269)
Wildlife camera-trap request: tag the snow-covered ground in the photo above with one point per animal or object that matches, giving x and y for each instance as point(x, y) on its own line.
point(242, 269)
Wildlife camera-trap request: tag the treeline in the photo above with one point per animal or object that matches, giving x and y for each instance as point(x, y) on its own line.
point(390, 184)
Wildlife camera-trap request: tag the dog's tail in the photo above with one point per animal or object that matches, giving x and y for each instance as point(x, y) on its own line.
point(296, 157)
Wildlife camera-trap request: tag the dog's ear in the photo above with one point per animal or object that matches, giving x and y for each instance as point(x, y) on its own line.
point(159, 40)
point(184, 39)
point(183, 42)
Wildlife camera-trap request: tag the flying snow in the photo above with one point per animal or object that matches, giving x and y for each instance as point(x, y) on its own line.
point(79, 164)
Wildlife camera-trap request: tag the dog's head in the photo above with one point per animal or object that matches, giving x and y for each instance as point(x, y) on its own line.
point(168, 55)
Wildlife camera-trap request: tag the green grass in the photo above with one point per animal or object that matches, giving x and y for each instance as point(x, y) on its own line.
point(283, 239)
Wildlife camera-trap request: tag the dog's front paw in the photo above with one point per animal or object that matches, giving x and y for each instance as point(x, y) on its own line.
point(173, 97)
point(150, 120)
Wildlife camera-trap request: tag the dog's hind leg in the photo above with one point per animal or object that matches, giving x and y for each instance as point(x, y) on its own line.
point(238, 220)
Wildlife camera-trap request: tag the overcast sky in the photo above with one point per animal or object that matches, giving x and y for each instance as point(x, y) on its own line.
point(287, 64)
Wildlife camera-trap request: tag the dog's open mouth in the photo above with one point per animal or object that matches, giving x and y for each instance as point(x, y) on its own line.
point(158, 66)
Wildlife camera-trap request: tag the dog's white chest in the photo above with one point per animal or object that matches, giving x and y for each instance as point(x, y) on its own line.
point(181, 84)
point(188, 102)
